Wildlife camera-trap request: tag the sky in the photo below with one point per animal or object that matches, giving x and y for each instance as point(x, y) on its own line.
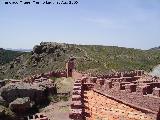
point(124, 23)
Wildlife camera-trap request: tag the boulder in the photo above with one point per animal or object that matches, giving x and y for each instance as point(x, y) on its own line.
point(38, 91)
point(49, 47)
point(12, 91)
point(21, 105)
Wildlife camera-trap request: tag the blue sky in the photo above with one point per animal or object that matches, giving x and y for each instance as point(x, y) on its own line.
point(127, 23)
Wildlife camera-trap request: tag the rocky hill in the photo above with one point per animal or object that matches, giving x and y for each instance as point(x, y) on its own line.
point(89, 58)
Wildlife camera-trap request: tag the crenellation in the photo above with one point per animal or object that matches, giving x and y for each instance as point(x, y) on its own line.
point(117, 86)
point(97, 84)
point(132, 74)
point(108, 84)
point(142, 90)
point(100, 81)
point(76, 97)
point(77, 101)
point(130, 87)
point(122, 85)
point(77, 84)
point(135, 89)
point(127, 79)
point(76, 104)
point(77, 92)
point(76, 87)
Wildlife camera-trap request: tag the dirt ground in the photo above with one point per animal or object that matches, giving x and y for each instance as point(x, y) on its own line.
point(57, 111)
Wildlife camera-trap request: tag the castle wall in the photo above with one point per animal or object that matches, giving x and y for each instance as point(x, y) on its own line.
point(146, 96)
point(77, 105)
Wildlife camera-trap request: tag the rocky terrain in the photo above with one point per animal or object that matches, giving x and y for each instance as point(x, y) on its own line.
point(20, 98)
point(90, 58)
point(44, 57)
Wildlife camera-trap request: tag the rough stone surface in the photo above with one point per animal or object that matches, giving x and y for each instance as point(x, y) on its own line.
point(21, 105)
point(2, 110)
point(49, 47)
point(36, 92)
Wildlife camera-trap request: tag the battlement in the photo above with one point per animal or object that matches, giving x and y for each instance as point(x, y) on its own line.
point(132, 89)
point(136, 74)
point(144, 92)
point(77, 111)
point(77, 101)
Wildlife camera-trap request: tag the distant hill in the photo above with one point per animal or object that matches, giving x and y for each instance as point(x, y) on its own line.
point(8, 55)
point(21, 50)
point(89, 58)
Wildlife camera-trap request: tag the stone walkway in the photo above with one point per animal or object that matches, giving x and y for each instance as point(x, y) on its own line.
point(103, 108)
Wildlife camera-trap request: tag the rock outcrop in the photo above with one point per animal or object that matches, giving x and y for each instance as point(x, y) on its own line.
point(41, 51)
point(13, 91)
point(37, 92)
point(49, 47)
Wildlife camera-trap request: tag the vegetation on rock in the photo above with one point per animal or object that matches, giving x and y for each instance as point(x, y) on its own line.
point(8, 55)
point(49, 56)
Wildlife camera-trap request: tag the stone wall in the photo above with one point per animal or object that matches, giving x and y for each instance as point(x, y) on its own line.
point(77, 105)
point(134, 74)
point(131, 89)
point(77, 101)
